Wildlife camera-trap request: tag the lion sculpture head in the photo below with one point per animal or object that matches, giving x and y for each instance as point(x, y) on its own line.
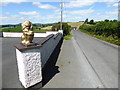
point(28, 33)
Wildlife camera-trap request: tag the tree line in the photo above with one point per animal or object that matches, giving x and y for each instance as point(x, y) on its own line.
point(105, 28)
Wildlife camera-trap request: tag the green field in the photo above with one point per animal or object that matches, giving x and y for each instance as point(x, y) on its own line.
point(16, 29)
point(19, 29)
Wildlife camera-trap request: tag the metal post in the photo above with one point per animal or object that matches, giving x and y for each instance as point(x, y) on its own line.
point(61, 15)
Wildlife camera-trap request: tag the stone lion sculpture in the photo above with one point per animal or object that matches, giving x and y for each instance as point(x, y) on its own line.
point(28, 33)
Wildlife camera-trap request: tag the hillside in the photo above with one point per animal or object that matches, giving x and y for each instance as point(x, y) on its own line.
point(48, 27)
point(75, 24)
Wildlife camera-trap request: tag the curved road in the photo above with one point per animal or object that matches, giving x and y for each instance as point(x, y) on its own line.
point(103, 58)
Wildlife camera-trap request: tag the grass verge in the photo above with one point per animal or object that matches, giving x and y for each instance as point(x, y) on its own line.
point(68, 37)
point(107, 39)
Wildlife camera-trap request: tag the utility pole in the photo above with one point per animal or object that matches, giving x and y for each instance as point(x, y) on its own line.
point(119, 11)
point(61, 14)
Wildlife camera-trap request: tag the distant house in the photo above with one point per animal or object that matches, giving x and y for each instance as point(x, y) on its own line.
point(74, 28)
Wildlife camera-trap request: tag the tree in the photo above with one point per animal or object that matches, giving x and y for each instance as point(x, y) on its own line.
point(66, 28)
point(106, 20)
point(91, 22)
point(114, 20)
point(86, 21)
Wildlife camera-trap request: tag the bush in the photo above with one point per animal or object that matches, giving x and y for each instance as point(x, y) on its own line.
point(66, 28)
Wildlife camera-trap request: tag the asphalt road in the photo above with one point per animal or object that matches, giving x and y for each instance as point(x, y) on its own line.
point(103, 58)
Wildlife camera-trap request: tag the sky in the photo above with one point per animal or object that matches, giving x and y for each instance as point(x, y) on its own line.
point(48, 11)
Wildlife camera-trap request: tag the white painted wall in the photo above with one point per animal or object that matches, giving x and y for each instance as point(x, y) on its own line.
point(40, 35)
point(29, 67)
point(19, 34)
point(12, 34)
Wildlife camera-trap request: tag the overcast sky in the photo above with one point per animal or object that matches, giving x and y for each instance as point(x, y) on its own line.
point(44, 11)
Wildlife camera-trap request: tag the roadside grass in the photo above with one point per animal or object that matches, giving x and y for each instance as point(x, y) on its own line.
point(107, 39)
point(68, 37)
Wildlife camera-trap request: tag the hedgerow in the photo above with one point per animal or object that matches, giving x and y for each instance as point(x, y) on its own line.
point(103, 28)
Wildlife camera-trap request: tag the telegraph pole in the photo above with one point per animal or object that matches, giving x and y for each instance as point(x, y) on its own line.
point(61, 14)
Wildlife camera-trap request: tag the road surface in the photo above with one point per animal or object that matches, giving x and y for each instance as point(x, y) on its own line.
point(103, 58)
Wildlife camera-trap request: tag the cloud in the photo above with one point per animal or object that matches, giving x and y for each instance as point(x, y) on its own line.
point(114, 13)
point(19, 18)
point(5, 2)
point(7, 13)
point(115, 4)
point(83, 3)
point(44, 6)
point(80, 15)
point(77, 15)
point(73, 16)
point(13, 19)
point(32, 13)
point(107, 15)
point(81, 12)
